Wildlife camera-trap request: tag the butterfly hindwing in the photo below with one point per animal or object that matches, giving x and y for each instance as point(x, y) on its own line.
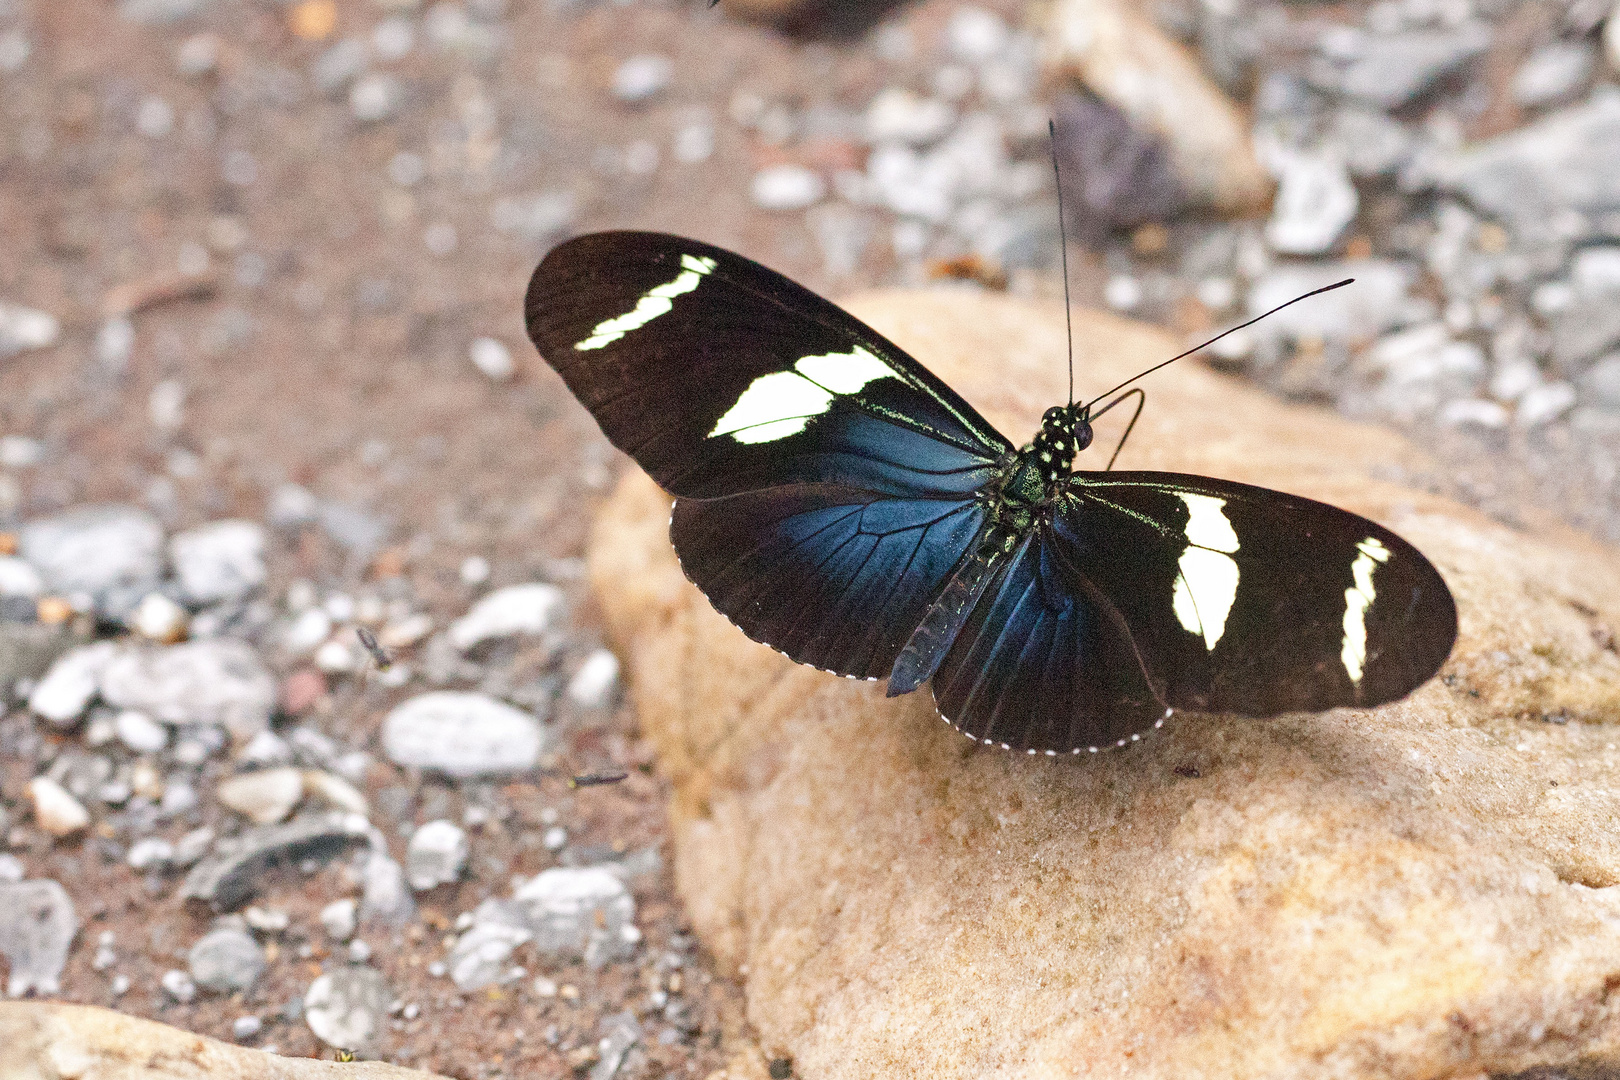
point(720, 376)
point(831, 576)
point(1044, 662)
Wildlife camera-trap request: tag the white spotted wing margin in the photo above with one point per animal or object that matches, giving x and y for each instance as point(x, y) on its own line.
point(720, 376)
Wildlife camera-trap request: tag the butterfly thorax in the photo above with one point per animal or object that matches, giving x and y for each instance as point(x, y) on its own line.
point(1032, 479)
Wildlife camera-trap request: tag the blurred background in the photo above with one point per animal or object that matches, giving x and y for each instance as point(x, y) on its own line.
point(264, 261)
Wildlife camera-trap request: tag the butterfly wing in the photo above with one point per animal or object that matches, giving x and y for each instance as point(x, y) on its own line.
point(831, 576)
point(1155, 590)
point(1044, 662)
point(720, 376)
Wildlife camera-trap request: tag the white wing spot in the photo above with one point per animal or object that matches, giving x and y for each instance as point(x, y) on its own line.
point(1358, 600)
point(781, 403)
point(656, 301)
point(1207, 585)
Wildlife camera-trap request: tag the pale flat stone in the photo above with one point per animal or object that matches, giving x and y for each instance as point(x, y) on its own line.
point(263, 797)
point(1425, 889)
point(51, 1041)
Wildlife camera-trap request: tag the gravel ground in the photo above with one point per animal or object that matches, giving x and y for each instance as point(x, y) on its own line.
point(264, 262)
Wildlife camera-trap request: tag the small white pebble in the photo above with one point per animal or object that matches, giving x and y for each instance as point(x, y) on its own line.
point(555, 838)
point(596, 683)
point(178, 985)
point(787, 187)
point(475, 570)
point(492, 357)
point(246, 1027)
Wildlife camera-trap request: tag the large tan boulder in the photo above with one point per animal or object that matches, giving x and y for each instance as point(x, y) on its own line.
point(47, 1041)
point(1421, 890)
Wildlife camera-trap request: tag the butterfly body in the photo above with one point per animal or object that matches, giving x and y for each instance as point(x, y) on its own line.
point(837, 501)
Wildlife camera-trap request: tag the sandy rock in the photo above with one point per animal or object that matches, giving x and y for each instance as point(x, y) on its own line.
point(1120, 55)
point(49, 1041)
point(1419, 890)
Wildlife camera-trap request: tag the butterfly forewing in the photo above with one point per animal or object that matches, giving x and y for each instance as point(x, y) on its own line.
point(720, 376)
point(1242, 599)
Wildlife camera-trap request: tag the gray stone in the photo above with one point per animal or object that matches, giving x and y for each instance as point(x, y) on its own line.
point(787, 187)
point(976, 36)
point(71, 683)
point(620, 1032)
point(228, 878)
point(1601, 383)
point(374, 98)
point(436, 855)
point(1564, 161)
point(179, 985)
point(291, 506)
point(1390, 70)
point(1315, 203)
point(1375, 303)
point(1589, 326)
point(24, 329)
point(140, 732)
point(462, 734)
point(596, 684)
point(899, 116)
point(570, 913)
point(18, 578)
point(1543, 404)
point(27, 650)
point(1554, 72)
point(1370, 143)
point(538, 219)
point(341, 918)
point(384, 895)
point(347, 1008)
point(112, 553)
point(226, 960)
point(160, 12)
point(518, 609)
point(642, 78)
point(223, 560)
point(479, 956)
point(37, 927)
point(216, 681)
point(359, 531)
point(150, 853)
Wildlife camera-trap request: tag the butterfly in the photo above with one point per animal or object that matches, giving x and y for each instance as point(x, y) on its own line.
point(838, 502)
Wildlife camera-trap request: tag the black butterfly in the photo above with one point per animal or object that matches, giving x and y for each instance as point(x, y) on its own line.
point(841, 504)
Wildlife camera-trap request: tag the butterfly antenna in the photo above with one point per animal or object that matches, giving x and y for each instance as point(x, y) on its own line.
point(1217, 337)
point(1063, 242)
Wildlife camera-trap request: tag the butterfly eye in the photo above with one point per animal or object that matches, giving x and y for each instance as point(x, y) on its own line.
point(1082, 437)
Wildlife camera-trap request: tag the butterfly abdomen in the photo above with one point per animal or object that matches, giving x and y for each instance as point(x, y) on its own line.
point(928, 644)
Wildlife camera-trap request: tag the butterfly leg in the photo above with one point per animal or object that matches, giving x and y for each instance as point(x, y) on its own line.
point(1141, 400)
